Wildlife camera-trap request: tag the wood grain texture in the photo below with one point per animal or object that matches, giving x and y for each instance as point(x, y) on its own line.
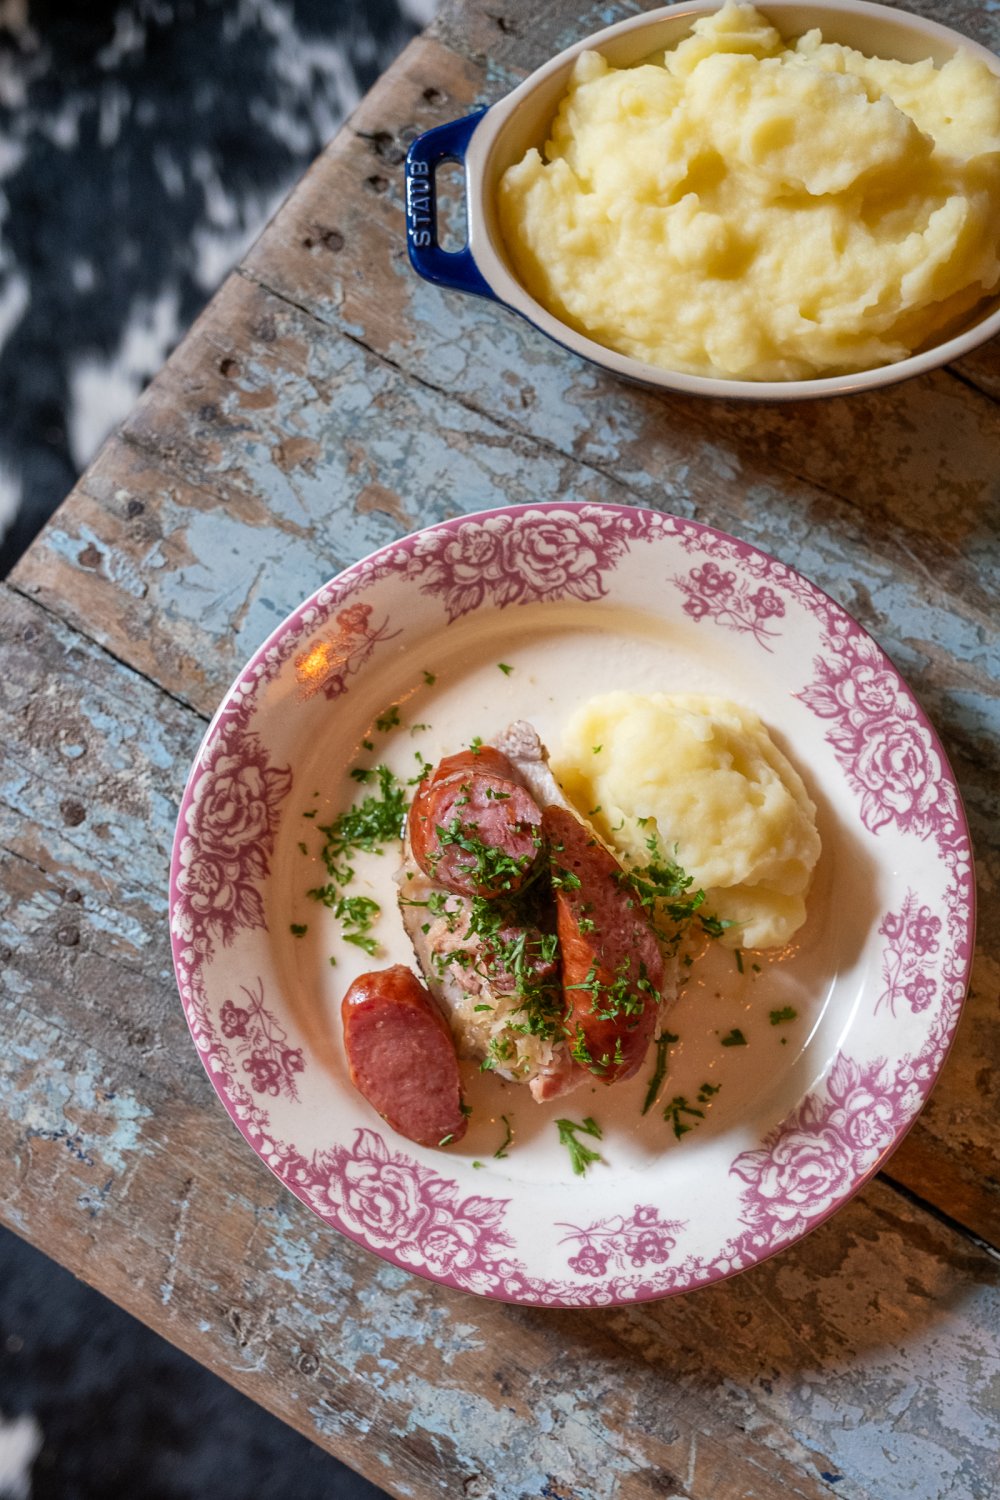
point(326, 403)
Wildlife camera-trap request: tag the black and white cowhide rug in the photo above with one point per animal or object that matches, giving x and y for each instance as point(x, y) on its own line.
point(143, 145)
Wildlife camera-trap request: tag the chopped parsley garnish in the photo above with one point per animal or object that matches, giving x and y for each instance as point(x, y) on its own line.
point(663, 888)
point(465, 1109)
point(446, 1140)
point(429, 678)
point(416, 728)
point(367, 826)
point(357, 913)
point(333, 962)
point(489, 865)
point(623, 995)
point(739, 960)
point(362, 940)
point(310, 814)
point(580, 1052)
point(389, 719)
point(707, 1091)
point(303, 848)
point(663, 1044)
point(677, 1107)
point(476, 745)
point(298, 929)
point(517, 960)
point(786, 1013)
point(597, 749)
point(505, 669)
point(501, 1152)
point(716, 926)
point(565, 880)
point(423, 768)
point(580, 1155)
point(735, 1038)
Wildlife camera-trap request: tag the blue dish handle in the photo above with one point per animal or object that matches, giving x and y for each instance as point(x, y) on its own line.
point(454, 268)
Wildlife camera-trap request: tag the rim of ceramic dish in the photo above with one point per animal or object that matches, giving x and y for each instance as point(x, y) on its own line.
point(492, 264)
point(363, 571)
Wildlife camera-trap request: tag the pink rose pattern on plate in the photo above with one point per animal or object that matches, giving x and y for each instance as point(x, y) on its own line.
point(231, 819)
point(913, 934)
point(642, 1238)
point(409, 1213)
point(521, 559)
point(336, 655)
point(392, 1203)
point(262, 1042)
point(886, 750)
point(714, 593)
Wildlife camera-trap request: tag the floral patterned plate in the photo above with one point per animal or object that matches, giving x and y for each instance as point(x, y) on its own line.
point(792, 1075)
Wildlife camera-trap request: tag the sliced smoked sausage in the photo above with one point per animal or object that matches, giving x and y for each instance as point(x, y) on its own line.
point(473, 827)
point(612, 965)
point(402, 1056)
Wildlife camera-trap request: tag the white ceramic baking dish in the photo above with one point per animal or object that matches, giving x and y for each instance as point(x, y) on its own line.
point(488, 142)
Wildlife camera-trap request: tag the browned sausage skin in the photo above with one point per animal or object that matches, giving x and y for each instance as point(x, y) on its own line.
point(473, 827)
point(402, 1056)
point(612, 965)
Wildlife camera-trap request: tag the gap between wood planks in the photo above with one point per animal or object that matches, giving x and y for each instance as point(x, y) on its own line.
point(9, 586)
point(955, 1225)
point(970, 382)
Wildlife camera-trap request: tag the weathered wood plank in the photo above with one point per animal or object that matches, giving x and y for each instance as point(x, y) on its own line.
point(829, 1365)
point(521, 34)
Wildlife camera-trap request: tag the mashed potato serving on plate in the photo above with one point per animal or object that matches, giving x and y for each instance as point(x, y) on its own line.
point(755, 209)
point(704, 776)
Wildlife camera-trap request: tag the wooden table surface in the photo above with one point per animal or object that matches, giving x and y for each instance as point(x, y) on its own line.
point(326, 403)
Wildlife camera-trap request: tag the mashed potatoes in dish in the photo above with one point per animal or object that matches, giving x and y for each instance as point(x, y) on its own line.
point(758, 210)
point(704, 776)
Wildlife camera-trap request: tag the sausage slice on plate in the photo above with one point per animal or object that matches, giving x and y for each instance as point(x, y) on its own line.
point(402, 1056)
point(473, 828)
point(612, 965)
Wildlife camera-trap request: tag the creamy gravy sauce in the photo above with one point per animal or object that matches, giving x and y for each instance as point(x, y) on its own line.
point(558, 657)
